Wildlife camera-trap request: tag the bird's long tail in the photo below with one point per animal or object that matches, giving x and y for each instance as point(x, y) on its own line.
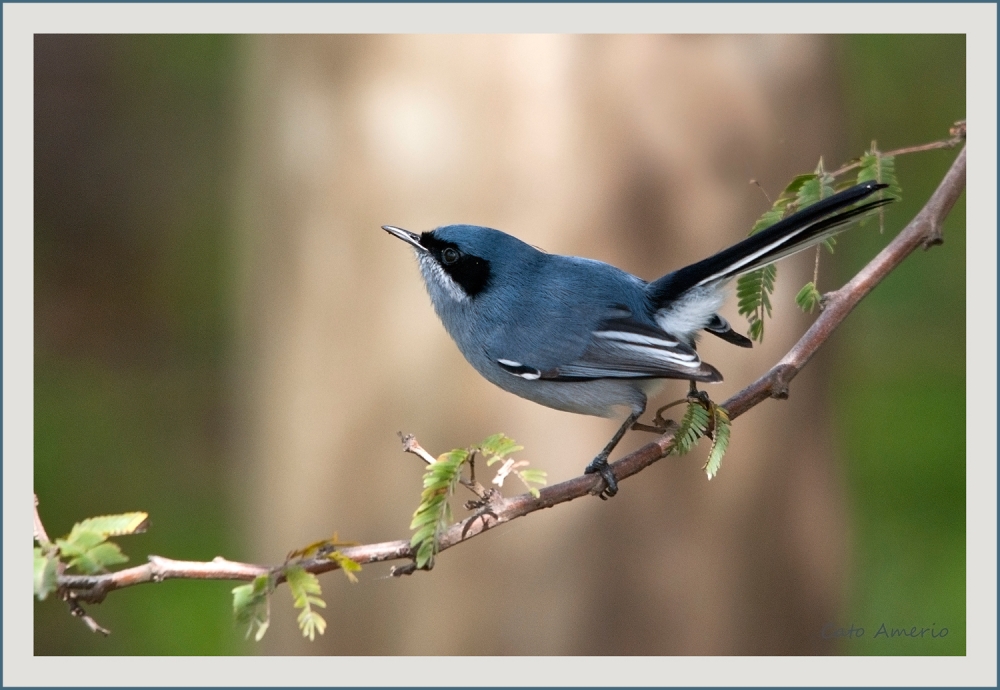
point(801, 230)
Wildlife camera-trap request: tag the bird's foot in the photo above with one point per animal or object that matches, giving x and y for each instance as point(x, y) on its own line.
point(599, 465)
point(699, 397)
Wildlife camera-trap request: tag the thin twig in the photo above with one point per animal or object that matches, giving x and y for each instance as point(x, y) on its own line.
point(410, 445)
point(957, 132)
point(77, 611)
point(40, 534)
point(924, 230)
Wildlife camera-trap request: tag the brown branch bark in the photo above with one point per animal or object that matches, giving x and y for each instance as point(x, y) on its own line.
point(924, 230)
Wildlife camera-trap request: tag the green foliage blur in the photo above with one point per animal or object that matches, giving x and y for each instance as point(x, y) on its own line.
point(899, 362)
point(133, 157)
point(135, 142)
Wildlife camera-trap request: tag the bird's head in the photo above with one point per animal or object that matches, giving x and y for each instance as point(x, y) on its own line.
point(462, 262)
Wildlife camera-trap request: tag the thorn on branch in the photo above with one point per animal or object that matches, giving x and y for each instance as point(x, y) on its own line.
point(401, 570)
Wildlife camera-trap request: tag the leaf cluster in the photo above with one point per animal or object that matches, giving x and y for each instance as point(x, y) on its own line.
point(754, 289)
point(86, 549)
point(252, 602)
point(703, 418)
point(496, 448)
point(877, 167)
point(434, 514)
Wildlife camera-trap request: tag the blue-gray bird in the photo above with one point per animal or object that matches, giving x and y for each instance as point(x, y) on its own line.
point(583, 336)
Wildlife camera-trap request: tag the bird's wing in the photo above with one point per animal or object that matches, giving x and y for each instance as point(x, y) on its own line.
point(623, 348)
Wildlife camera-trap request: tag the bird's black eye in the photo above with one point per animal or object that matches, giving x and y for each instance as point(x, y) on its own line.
point(449, 256)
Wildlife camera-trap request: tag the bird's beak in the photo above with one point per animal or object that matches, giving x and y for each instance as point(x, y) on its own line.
point(407, 236)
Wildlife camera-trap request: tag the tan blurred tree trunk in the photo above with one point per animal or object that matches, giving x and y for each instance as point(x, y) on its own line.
point(636, 150)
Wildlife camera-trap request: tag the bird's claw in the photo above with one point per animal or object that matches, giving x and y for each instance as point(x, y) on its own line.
point(699, 397)
point(599, 465)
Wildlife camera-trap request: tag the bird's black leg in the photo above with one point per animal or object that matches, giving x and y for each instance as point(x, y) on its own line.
point(600, 464)
point(695, 394)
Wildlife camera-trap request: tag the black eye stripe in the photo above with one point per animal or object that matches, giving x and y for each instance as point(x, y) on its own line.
point(472, 273)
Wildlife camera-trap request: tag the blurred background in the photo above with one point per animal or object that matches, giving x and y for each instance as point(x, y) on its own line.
point(225, 339)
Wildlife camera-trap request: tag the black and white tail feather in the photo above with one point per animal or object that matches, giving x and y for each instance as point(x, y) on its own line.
point(686, 301)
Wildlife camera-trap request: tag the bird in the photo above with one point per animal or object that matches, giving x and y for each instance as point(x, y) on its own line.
point(583, 336)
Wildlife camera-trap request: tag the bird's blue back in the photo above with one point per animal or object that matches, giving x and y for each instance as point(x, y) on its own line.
point(566, 297)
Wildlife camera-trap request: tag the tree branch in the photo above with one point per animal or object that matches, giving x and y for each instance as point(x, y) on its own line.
point(924, 230)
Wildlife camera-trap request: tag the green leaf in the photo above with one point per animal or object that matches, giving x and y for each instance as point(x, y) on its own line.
point(88, 551)
point(693, 426)
point(302, 583)
point(753, 291)
point(808, 298)
point(86, 546)
point(349, 566)
point(498, 446)
point(529, 477)
point(534, 476)
point(425, 553)
point(252, 605)
point(433, 513)
point(46, 574)
point(819, 187)
point(305, 589)
point(113, 525)
point(310, 623)
point(799, 181)
point(97, 559)
point(879, 168)
point(720, 440)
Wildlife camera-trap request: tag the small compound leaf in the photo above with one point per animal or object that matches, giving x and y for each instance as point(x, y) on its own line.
point(529, 477)
point(79, 542)
point(433, 513)
point(92, 559)
point(348, 565)
point(792, 190)
point(46, 574)
point(817, 188)
point(425, 554)
point(499, 446)
point(251, 605)
point(693, 426)
point(808, 298)
point(534, 476)
point(305, 589)
point(875, 166)
point(720, 440)
point(753, 292)
point(311, 623)
point(302, 583)
point(113, 525)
